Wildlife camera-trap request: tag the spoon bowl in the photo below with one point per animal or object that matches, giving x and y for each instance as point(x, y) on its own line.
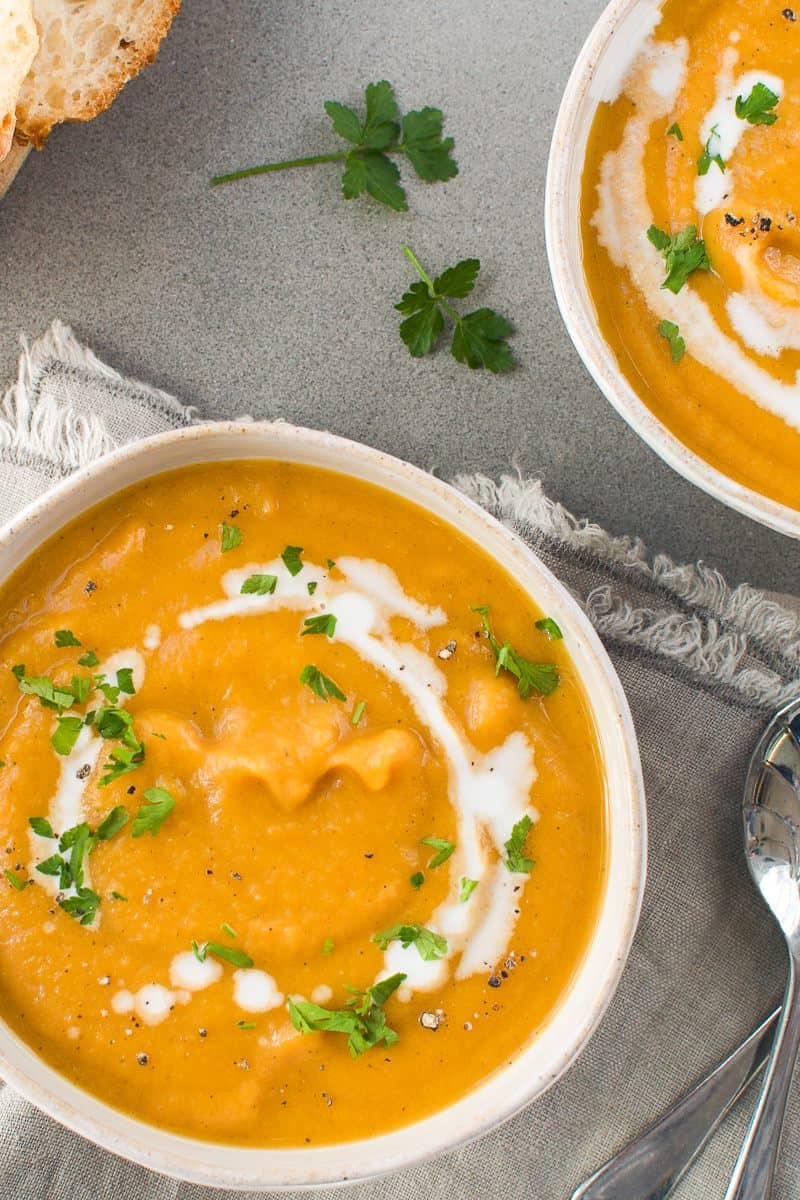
point(771, 816)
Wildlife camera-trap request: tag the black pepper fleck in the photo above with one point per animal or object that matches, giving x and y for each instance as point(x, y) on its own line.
point(765, 224)
point(732, 220)
point(495, 981)
point(83, 772)
point(142, 1059)
point(91, 586)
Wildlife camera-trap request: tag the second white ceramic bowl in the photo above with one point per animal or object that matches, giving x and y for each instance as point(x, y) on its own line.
point(552, 1050)
point(605, 57)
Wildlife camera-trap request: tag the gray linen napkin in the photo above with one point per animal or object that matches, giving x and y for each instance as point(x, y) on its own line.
point(702, 664)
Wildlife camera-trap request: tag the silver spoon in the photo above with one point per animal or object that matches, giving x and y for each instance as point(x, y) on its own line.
point(772, 847)
point(650, 1167)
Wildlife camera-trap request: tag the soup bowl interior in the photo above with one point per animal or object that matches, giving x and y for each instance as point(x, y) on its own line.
point(553, 1048)
point(604, 60)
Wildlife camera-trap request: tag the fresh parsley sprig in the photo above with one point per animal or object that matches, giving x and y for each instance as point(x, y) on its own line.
point(430, 945)
point(516, 862)
point(479, 337)
point(382, 132)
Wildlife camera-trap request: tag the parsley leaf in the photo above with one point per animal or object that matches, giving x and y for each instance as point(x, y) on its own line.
point(444, 850)
point(152, 815)
point(291, 559)
point(516, 862)
point(358, 712)
point(479, 337)
point(125, 681)
point(756, 108)
point(121, 760)
point(230, 538)
point(367, 165)
point(672, 333)
point(550, 629)
point(675, 131)
point(82, 906)
point(325, 623)
point(259, 585)
point(710, 154)
point(683, 254)
point(66, 734)
point(466, 888)
point(246, 1025)
point(530, 676)
point(431, 945)
point(15, 881)
point(49, 694)
point(117, 819)
point(237, 958)
point(328, 946)
point(320, 684)
point(311, 586)
point(41, 826)
point(364, 1021)
point(119, 896)
point(417, 879)
point(89, 659)
point(80, 842)
point(65, 637)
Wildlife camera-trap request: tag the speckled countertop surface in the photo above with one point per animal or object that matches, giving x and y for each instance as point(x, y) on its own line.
point(274, 296)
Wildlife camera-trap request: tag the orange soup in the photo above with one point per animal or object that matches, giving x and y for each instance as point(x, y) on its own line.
point(301, 805)
point(691, 232)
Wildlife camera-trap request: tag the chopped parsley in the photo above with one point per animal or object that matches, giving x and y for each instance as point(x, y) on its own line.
point(49, 694)
point(311, 586)
point(363, 1021)
point(431, 945)
point(516, 862)
point(683, 253)
point(675, 131)
point(237, 958)
point(756, 108)
point(358, 712)
point(18, 884)
point(41, 826)
point(671, 332)
point(320, 684)
point(466, 888)
point(152, 815)
point(246, 1025)
point(324, 623)
point(530, 676)
point(230, 538)
point(66, 734)
point(259, 585)
point(82, 906)
point(89, 659)
point(116, 820)
point(550, 629)
point(291, 559)
point(443, 850)
point(711, 154)
point(119, 896)
point(231, 932)
point(330, 564)
point(65, 637)
point(417, 879)
point(328, 946)
point(125, 681)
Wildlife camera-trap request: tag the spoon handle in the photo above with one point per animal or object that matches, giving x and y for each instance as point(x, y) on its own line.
point(755, 1168)
point(650, 1167)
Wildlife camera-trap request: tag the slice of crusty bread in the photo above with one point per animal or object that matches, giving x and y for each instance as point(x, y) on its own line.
point(19, 42)
point(88, 51)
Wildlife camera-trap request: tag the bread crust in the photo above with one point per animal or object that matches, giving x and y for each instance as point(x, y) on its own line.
point(34, 126)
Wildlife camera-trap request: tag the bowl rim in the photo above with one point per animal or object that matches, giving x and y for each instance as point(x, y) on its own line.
point(563, 241)
point(490, 1103)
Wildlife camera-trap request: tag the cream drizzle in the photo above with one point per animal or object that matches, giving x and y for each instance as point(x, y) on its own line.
point(489, 792)
point(623, 217)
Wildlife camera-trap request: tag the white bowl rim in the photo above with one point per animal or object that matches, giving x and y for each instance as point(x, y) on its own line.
point(562, 220)
point(569, 1028)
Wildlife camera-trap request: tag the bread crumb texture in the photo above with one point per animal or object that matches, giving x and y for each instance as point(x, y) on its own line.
point(19, 42)
point(88, 50)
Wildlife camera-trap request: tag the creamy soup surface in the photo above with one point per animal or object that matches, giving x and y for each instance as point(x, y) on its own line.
point(700, 142)
point(298, 847)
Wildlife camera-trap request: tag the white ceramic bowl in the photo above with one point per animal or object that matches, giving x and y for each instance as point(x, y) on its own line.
point(554, 1048)
point(605, 57)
